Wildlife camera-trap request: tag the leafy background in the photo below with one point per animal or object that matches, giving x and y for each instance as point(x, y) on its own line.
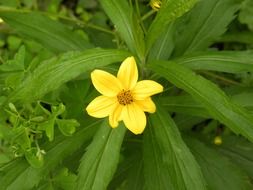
point(202, 132)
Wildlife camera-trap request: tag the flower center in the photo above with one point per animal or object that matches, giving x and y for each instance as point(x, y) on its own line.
point(125, 97)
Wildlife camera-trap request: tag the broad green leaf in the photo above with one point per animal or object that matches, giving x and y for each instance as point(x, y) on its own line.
point(204, 23)
point(100, 161)
point(170, 10)
point(168, 163)
point(20, 175)
point(218, 171)
point(54, 72)
point(240, 151)
point(225, 61)
point(51, 34)
point(209, 95)
point(123, 17)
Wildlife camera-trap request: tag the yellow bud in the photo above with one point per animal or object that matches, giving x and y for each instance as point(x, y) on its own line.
point(218, 140)
point(155, 4)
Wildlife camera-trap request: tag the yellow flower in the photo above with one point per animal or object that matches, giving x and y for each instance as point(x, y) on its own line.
point(155, 4)
point(123, 98)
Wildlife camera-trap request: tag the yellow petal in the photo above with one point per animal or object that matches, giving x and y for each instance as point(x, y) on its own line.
point(101, 106)
point(134, 118)
point(146, 88)
point(146, 105)
point(106, 83)
point(115, 116)
point(128, 73)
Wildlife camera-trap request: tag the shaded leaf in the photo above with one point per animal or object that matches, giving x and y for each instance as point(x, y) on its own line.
point(218, 171)
point(204, 23)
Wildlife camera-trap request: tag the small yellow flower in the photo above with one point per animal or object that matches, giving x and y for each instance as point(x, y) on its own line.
point(123, 98)
point(155, 4)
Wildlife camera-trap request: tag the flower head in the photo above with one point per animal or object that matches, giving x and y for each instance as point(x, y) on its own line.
point(123, 98)
point(155, 4)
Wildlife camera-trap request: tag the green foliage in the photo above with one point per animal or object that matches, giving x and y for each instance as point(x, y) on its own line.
point(200, 136)
point(168, 163)
point(98, 165)
point(208, 94)
point(53, 35)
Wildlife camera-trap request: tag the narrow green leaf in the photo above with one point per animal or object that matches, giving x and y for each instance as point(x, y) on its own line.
point(188, 105)
point(205, 23)
point(164, 45)
point(170, 10)
point(123, 17)
point(168, 163)
point(225, 61)
point(209, 95)
point(218, 171)
point(51, 34)
point(100, 161)
point(20, 175)
point(184, 104)
point(54, 72)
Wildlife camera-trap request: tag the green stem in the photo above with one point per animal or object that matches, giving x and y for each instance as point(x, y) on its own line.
point(148, 14)
point(226, 80)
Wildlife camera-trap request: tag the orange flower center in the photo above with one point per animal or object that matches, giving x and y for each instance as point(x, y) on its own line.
point(125, 97)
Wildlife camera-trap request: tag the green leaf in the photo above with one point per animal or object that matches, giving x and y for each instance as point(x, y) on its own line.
point(164, 45)
point(170, 10)
point(168, 163)
point(100, 161)
point(130, 174)
point(246, 13)
point(48, 127)
point(218, 171)
point(20, 136)
point(225, 61)
point(15, 174)
point(184, 104)
point(204, 23)
point(51, 34)
point(240, 151)
point(209, 95)
point(65, 180)
point(122, 16)
point(67, 126)
point(54, 72)
point(187, 105)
